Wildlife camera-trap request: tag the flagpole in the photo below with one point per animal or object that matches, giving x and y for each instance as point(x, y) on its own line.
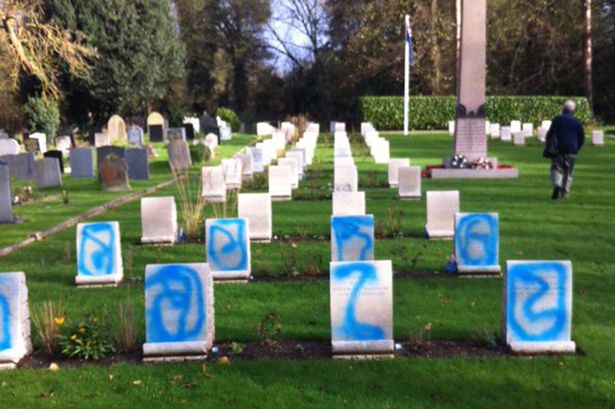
point(406, 75)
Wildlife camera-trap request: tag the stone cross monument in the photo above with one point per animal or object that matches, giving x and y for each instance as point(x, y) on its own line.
point(470, 134)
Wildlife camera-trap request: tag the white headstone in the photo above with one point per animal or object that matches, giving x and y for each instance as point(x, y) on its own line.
point(441, 209)
point(63, 144)
point(361, 295)
point(598, 138)
point(537, 307)
point(280, 183)
point(477, 243)
point(116, 128)
point(15, 341)
point(515, 126)
point(214, 185)
point(158, 220)
point(264, 129)
point(541, 134)
point(393, 171)
point(256, 209)
point(9, 147)
point(352, 238)
point(42, 140)
point(506, 133)
point(179, 312)
point(346, 179)
point(228, 248)
point(246, 165)
point(99, 254)
point(494, 131)
point(546, 125)
point(101, 139)
point(451, 128)
point(348, 203)
point(257, 159)
point(211, 141)
point(293, 164)
point(528, 130)
point(409, 182)
point(519, 139)
point(233, 173)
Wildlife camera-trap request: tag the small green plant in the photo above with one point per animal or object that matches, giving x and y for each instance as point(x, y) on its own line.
point(199, 153)
point(423, 335)
point(237, 348)
point(486, 338)
point(126, 336)
point(86, 339)
point(67, 251)
point(394, 227)
point(228, 115)
point(65, 197)
point(191, 205)
point(268, 329)
point(48, 321)
point(288, 254)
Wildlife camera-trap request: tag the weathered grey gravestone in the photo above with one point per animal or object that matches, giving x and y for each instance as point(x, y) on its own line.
point(57, 155)
point(116, 128)
point(82, 163)
point(470, 137)
point(156, 133)
point(6, 196)
point(179, 155)
point(176, 133)
point(47, 173)
point(138, 164)
point(21, 166)
point(103, 151)
point(114, 174)
point(135, 135)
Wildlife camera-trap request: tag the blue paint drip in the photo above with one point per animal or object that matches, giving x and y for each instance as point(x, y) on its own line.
point(466, 237)
point(349, 228)
point(351, 328)
point(530, 274)
point(102, 259)
point(181, 288)
point(233, 255)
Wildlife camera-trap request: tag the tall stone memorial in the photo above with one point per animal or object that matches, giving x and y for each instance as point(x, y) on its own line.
point(6, 205)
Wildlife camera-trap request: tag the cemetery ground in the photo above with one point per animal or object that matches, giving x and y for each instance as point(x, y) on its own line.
point(449, 326)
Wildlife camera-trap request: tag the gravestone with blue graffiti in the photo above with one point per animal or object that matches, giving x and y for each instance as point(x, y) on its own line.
point(99, 254)
point(537, 308)
point(227, 243)
point(352, 238)
point(477, 243)
point(15, 340)
point(361, 296)
point(179, 312)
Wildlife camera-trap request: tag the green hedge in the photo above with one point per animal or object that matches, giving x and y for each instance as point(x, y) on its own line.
point(434, 112)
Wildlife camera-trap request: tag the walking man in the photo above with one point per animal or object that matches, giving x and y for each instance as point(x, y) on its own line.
point(564, 141)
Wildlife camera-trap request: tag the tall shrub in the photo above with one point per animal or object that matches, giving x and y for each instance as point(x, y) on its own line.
point(42, 115)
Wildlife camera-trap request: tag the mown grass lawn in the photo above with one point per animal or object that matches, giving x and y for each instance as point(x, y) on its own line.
point(531, 227)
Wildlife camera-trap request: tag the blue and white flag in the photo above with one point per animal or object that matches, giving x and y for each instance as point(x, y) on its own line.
point(409, 41)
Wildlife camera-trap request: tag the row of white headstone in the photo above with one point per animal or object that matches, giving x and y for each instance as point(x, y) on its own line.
point(517, 132)
point(378, 146)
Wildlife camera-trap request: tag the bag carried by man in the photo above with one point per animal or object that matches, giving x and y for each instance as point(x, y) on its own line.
point(551, 149)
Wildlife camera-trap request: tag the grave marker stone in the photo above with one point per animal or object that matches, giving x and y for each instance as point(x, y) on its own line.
point(515, 126)
point(280, 183)
point(158, 220)
point(348, 203)
point(64, 144)
point(246, 165)
point(345, 178)
point(506, 134)
point(82, 163)
point(519, 139)
point(393, 170)
point(256, 209)
point(527, 129)
point(176, 133)
point(477, 243)
point(541, 134)
point(361, 295)
point(47, 173)
point(214, 186)
point(32, 145)
point(99, 254)
point(57, 155)
point(101, 139)
point(155, 127)
point(104, 151)
point(537, 307)
point(179, 155)
point(6, 195)
point(494, 131)
point(257, 159)
point(546, 125)
point(9, 147)
point(138, 164)
point(114, 174)
point(42, 141)
point(179, 312)
point(352, 238)
point(228, 248)
point(21, 166)
point(441, 209)
point(116, 128)
point(409, 186)
point(293, 165)
point(135, 135)
point(232, 173)
point(598, 138)
point(189, 131)
point(194, 121)
point(15, 341)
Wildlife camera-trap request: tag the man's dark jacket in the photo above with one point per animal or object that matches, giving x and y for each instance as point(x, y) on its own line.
point(569, 133)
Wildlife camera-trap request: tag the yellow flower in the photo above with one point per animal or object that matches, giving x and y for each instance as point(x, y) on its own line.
point(82, 330)
point(73, 337)
point(59, 321)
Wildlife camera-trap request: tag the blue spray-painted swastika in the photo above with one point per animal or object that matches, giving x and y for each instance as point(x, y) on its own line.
point(176, 312)
point(536, 293)
point(477, 239)
point(227, 246)
point(354, 237)
point(351, 329)
point(97, 253)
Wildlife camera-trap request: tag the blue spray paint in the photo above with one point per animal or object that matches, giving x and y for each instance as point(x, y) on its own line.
point(227, 248)
point(178, 292)
point(557, 317)
point(102, 260)
point(351, 328)
point(6, 341)
point(477, 240)
point(348, 229)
